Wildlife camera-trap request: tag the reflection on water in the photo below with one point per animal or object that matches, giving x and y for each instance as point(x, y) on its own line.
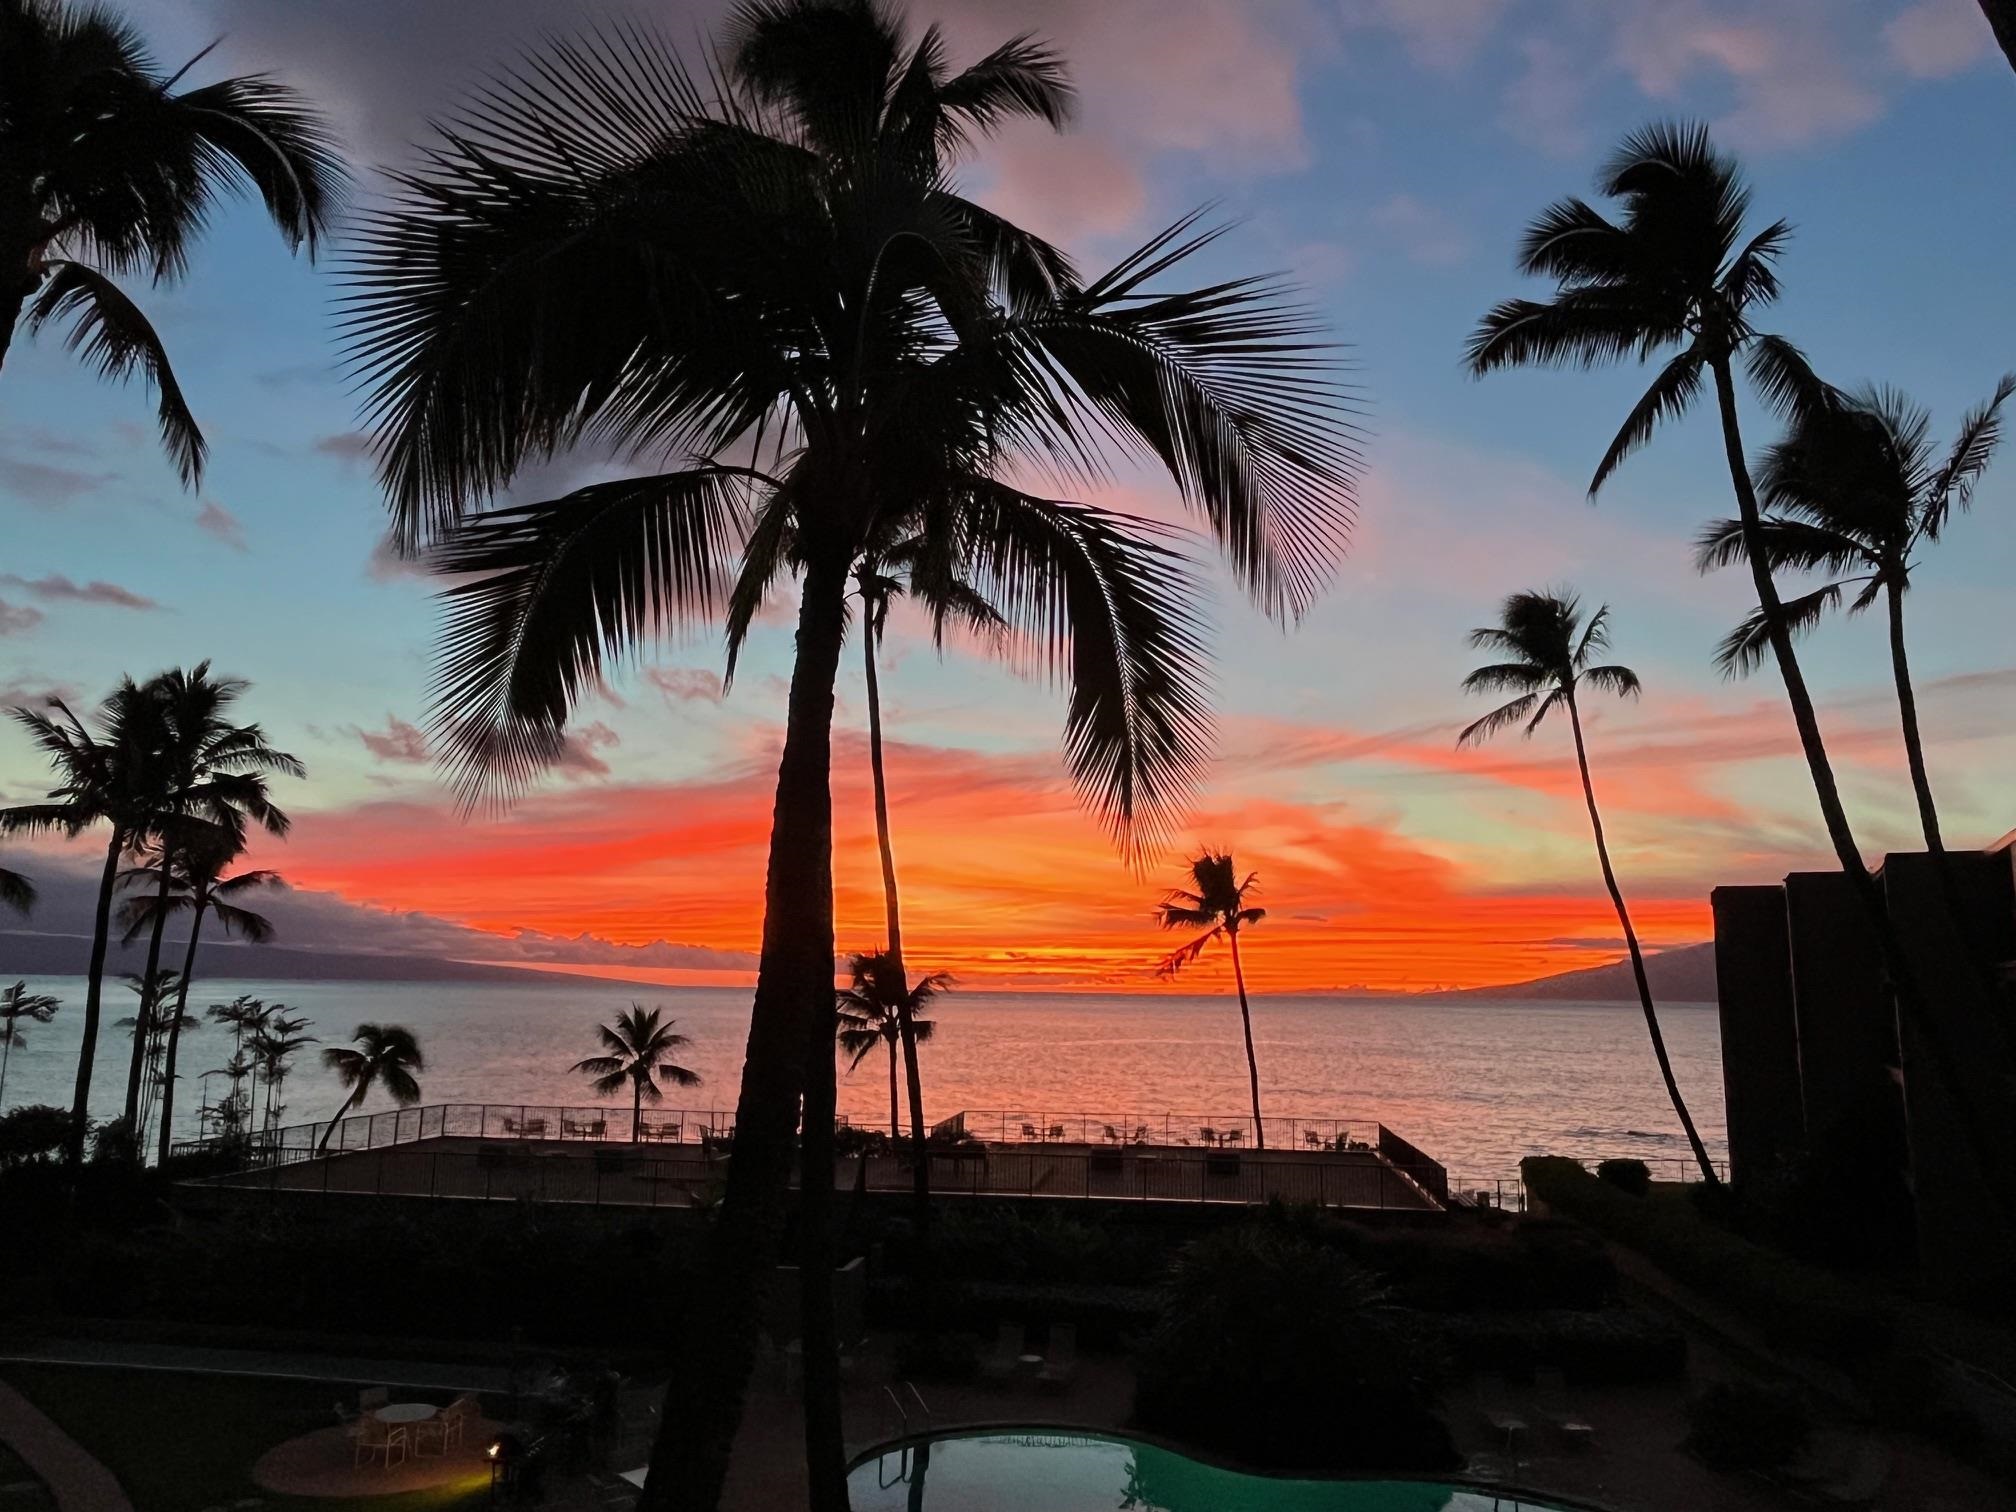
point(1475, 1084)
point(1056, 1471)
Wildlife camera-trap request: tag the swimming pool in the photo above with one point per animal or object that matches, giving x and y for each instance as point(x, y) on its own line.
point(1053, 1470)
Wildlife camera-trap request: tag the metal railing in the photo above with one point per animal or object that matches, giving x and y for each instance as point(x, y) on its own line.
point(1199, 1130)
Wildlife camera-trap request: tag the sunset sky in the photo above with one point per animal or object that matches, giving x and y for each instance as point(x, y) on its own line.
point(1384, 152)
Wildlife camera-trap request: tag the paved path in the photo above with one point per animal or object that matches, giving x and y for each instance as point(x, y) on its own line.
point(282, 1364)
point(77, 1481)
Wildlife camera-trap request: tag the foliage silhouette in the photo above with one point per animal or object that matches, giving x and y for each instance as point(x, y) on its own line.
point(1215, 902)
point(386, 1056)
point(637, 1049)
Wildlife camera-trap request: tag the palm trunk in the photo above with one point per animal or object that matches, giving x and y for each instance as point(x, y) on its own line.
point(920, 1161)
point(6, 1054)
point(94, 987)
point(2001, 15)
point(143, 1032)
point(825, 1446)
point(1983, 1145)
point(704, 1401)
point(636, 1109)
point(322, 1144)
point(1907, 708)
point(175, 1029)
point(895, 1117)
point(1246, 1023)
point(1637, 956)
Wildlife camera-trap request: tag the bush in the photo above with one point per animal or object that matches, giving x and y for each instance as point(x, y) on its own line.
point(1617, 1346)
point(1281, 1352)
point(1460, 1266)
point(1003, 1242)
point(937, 1357)
point(1632, 1177)
point(34, 1131)
point(1740, 1425)
point(1787, 1301)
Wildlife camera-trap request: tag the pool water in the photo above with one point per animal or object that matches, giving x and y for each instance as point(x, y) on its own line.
point(1039, 1470)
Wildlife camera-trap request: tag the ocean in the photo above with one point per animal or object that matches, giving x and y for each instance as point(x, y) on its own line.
point(1475, 1084)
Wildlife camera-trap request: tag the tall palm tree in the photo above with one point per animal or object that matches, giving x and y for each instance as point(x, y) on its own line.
point(197, 887)
point(113, 171)
point(949, 598)
point(638, 1049)
point(213, 775)
point(273, 1048)
point(244, 1016)
point(1548, 650)
point(773, 281)
point(378, 1056)
point(18, 1004)
point(881, 1007)
point(149, 1027)
point(1854, 490)
point(108, 772)
point(16, 892)
point(1215, 902)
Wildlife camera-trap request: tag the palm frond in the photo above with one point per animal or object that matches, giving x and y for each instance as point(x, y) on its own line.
point(1620, 681)
point(1973, 449)
point(1744, 649)
point(1677, 386)
point(16, 891)
point(1786, 382)
point(1498, 719)
point(1176, 960)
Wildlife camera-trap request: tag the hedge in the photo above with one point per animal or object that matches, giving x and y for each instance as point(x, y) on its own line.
point(1787, 1301)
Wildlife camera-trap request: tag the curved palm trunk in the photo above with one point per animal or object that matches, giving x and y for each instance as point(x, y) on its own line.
point(356, 1095)
point(920, 1158)
point(94, 987)
point(895, 1117)
point(1246, 1023)
point(704, 1401)
point(6, 1055)
point(636, 1108)
point(1637, 956)
point(175, 1028)
point(2001, 16)
point(1907, 708)
point(149, 1015)
point(1982, 1143)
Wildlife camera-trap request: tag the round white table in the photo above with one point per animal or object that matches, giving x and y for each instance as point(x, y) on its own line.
point(405, 1412)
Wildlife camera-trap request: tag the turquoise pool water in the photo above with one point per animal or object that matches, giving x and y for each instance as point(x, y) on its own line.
point(1037, 1470)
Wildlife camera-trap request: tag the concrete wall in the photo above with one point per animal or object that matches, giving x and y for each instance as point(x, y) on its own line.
point(1847, 1031)
point(1760, 1039)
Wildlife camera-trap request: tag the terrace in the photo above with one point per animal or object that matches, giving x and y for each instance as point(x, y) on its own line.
point(495, 1152)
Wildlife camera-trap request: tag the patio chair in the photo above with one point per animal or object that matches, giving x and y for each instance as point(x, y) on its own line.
point(1493, 1403)
point(1550, 1394)
point(596, 1129)
point(1112, 1135)
point(429, 1433)
point(1140, 1135)
point(1060, 1362)
point(535, 1128)
point(1010, 1344)
point(371, 1438)
point(456, 1417)
point(1029, 1133)
point(1235, 1136)
point(371, 1398)
point(513, 1129)
point(1312, 1139)
point(344, 1415)
point(1056, 1131)
point(1207, 1137)
point(572, 1130)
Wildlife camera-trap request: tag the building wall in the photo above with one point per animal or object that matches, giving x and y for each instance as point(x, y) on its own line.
point(1760, 1039)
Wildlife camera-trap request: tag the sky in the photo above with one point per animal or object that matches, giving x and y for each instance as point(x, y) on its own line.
point(1383, 153)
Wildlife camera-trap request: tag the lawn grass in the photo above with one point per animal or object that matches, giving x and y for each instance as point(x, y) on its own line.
point(183, 1442)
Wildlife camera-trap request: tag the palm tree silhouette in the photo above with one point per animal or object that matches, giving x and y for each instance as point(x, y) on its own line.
point(212, 775)
point(244, 1016)
point(108, 772)
point(637, 1049)
point(774, 279)
point(1215, 902)
point(1547, 649)
point(379, 1056)
point(16, 891)
point(881, 1007)
point(196, 886)
point(2001, 16)
point(1854, 491)
point(149, 1028)
point(17, 1004)
point(113, 173)
point(274, 1044)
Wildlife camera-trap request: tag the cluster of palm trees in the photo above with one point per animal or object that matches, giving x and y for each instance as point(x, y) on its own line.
point(1854, 489)
point(18, 1008)
point(179, 788)
point(265, 1038)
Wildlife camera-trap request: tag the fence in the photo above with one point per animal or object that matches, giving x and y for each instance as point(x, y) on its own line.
point(1198, 1130)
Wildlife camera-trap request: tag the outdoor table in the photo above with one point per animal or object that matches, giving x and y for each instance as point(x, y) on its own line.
point(1029, 1363)
point(405, 1412)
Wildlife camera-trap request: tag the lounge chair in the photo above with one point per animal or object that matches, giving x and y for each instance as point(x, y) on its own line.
point(535, 1128)
point(1010, 1344)
point(1550, 1395)
point(1060, 1363)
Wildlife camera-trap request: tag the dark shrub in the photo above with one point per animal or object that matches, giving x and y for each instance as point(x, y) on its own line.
point(1452, 1267)
point(1616, 1346)
point(1281, 1352)
point(1632, 1177)
point(937, 1357)
point(1000, 1242)
point(1741, 1425)
point(34, 1131)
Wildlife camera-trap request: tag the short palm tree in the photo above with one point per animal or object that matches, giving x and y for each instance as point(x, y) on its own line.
point(273, 1047)
point(18, 1006)
point(244, 1016)
point(112, 172)
point(1548, 650)
point(109, 771)
point(1854, 490)
point(1215, 901)
point(378, 1056)
point(637, 1049)
point(198, 888)
point(881, 1008)
point(149, 1028)
point(769, 282)
point(16, 891)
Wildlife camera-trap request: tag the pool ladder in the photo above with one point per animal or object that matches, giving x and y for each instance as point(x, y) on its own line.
point(904, 1431)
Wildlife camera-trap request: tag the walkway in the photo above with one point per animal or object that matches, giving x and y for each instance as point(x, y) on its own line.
point(77, 1481)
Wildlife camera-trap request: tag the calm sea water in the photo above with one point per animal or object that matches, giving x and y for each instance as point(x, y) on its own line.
point(1475, 1084)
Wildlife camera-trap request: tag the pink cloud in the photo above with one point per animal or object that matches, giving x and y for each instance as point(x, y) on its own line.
point(577, 753)
point(1937, 38)
point(399, 741)
point(15, 618)
point(55, 587)
point(685, 684)
point(1443, 35)
point(215, 520)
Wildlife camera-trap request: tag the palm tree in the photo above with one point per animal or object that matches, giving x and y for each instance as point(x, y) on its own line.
point(1854, 490)
point(383, 1055)
point(881, 1008)
point(2001, 16)
point(244, 1016)
point(774, 282)
point(637, 1049)
point(1547, 649)
point(1215, 902)
point(197, 887)
point(273, 1047)
point(17, 1004)
point(16, 892)
point(948, 597)
point(213, 777)
point(149, 1028)
point(108, 772)
point(112, 173)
